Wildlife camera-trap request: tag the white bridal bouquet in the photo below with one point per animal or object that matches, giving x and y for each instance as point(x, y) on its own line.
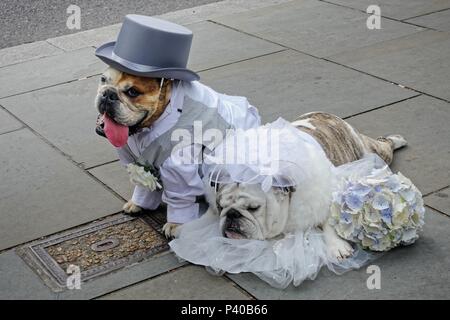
point(379, 211)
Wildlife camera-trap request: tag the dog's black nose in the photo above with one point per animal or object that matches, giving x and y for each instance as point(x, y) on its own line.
point(110, 95)
point(233, 214)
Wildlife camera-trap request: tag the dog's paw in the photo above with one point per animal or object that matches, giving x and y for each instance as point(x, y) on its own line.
point(131, 208)
point(171, 230)
point(340, 249)
point(398, 141)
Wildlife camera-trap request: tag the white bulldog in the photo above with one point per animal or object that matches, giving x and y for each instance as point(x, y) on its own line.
point(246, 212)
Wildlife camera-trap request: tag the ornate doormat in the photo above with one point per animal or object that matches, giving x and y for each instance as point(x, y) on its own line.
point(96, 249)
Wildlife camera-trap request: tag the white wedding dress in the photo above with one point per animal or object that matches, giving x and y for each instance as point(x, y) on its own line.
point(292, 257)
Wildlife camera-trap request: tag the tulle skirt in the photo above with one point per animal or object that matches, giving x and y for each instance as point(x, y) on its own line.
point(292, 259)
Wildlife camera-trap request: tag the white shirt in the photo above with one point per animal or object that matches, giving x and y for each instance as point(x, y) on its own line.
point(182, 183)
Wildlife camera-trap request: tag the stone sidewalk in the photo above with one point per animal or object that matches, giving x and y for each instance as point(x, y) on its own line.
point(288, 58)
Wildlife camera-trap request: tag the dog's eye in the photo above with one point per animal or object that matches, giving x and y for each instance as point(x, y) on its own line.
point(103, 79)
point(132, 92)
point(253, 208)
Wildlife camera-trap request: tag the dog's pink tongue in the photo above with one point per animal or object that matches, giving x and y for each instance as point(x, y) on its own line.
point(116, 133)
point(233, 235)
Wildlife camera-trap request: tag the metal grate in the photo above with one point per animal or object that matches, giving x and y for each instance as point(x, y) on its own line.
point(97, 249)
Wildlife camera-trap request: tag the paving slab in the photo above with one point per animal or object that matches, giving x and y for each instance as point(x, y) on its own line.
point(98, 36)
point(440, 200)
point(8, 123)
point(419, 61)
point(423, 121)
point(28, 51)
point(315, 27)
point(115, 176)
point(214, 45)
point(42, 192)
point(398, 9)
point(187, 283)
point(18, 281)
point(289, 83)
point(89, 38)
point(146, 269)
point(212, 10)
point(419, 271)
point(65, 115)
point(44, 72)
point(438, 20)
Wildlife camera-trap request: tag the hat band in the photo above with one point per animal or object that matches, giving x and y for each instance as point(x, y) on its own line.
point(130, 64)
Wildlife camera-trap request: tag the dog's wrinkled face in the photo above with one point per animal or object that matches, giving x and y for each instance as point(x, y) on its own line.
point(246, 212)
point(131, 101)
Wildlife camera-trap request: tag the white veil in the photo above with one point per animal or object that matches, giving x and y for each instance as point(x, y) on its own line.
point(275, 154)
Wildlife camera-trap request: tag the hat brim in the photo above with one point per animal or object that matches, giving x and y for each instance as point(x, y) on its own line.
point(105, 53)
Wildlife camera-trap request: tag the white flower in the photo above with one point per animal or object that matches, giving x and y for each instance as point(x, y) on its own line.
point(409, 236)
point(380, 202)
point(142, 177)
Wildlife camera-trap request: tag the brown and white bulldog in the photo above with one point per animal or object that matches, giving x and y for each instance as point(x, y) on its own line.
point(128, 103)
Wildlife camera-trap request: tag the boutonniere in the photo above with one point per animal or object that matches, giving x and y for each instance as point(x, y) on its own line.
point(144, 175)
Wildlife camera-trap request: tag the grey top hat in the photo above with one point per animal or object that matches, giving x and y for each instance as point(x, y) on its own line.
point(150, 47)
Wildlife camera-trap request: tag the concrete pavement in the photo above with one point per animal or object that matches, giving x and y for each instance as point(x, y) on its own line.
point(288, 58)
